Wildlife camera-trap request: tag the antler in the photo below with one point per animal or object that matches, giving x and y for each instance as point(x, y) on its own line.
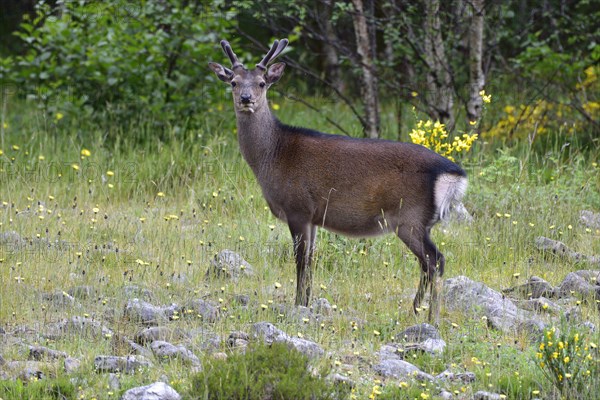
point(275, 50)
point(232, 57)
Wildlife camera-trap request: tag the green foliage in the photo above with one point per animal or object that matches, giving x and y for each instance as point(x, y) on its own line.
point(121, 62)
point(263, 372)
point(57, 389)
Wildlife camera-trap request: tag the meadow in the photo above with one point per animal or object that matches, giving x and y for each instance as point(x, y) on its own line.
point(111, 214)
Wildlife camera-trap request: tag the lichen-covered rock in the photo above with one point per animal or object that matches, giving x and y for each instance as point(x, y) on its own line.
point(231, 265)
point(583, 283)
point(152, 333)
point(149, 314)
point(478, 300)
point(534, 287)
point(400, 369)
point(269, 334)
point(155, 391)
point(205, 309)
point(166, 350)
point(129, 364)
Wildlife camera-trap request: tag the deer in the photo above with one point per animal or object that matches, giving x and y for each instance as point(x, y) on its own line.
point(357, 187)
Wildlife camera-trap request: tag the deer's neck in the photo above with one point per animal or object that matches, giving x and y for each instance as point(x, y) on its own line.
point(257, 136)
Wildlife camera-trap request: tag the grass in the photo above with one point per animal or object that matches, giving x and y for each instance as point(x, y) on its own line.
point(168, 207)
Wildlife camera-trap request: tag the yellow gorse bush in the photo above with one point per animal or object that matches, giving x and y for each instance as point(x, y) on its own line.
point(567, 359)
point(542, 116)
point(434, 136)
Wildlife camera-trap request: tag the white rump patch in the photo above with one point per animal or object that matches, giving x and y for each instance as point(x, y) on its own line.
point(448, 189)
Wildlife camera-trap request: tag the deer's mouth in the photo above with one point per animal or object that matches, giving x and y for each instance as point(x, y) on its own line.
point(247, 107)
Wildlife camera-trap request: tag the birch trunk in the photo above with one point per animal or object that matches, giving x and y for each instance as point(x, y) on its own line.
point(440, 94)
point(365, 52)
point(476, 77)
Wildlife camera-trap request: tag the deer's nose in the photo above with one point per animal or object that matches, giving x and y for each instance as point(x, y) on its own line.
point(245, 98)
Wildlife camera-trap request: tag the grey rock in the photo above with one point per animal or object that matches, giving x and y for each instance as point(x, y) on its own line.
point(476, 299)
point(269, 334)
point(39, 352)
point(12, 241)
point(583, 283)
point(238, 340)
point(59, 298)
point(534, 287)
point(322, 306)
point(400, 369)
point(231, 265)
point(418, 333)
point(82, 327)
point(115, 364)
point(114, 382)
point(540, 304)
point(150, 334)
point(464, 377)
point(534, 328)
point(166, 350)
point(590, 219)
point(71, 365)
point(134, 291)
point(242, 299)
point(339, 379)
point(28, 370)
point(445, 395)
point(155, 391)
point(208, 310)
point(482, 395)
point(149, 314)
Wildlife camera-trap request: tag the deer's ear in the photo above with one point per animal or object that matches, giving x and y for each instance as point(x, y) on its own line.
point(224, 74)
point(275, 72)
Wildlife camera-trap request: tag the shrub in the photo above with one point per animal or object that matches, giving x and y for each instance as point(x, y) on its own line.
point(120, 62)
point(569, 360)
point(263, 372)
point(434, 136)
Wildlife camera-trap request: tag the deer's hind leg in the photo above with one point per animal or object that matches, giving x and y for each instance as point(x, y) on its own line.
point(432, 264)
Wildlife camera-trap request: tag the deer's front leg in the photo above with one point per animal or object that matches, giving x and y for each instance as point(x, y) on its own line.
point(303, 235)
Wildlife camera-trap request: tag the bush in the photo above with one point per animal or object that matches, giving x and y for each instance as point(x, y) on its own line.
point(263, 372)
point(120, 62)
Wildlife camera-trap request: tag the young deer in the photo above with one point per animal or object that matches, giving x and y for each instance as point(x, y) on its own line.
point(355, 187)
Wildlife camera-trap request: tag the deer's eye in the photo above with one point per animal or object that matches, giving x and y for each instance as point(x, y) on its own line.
point(262, 84)
point(233, 84)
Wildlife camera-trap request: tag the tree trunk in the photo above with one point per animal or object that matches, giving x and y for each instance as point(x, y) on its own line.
point(332, 61)
point(365, 52)
point(440, 94)
point(476, 76)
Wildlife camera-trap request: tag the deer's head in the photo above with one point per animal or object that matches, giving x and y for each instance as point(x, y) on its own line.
point(249, 87)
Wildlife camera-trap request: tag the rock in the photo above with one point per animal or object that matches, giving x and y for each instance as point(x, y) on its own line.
point(155, 391)
point(114, 382)
point(534, 328)
point(339, 379)
point(400, 369)
point(481, 395)
point(459, 212)
point(540, 304)
point(28, 370)
point(445, 395)
point(59, 298)
point(208, 310)
point(12, 241)
point(166, 350)
point(115, 364)
point(269, 334)
point(534, 287)
point(476, 299)
point(583, 283)
point(422, 337)
point(590, 219)
point(231, 265)
point(238, 340)
point(39, 352)
point(134, 291)
point(71, 365)
point(148, 314)
point(561, 250)
point(464, 377)
point(150, 334)
point(82, 327)
point(242, 299)
point(322, 306)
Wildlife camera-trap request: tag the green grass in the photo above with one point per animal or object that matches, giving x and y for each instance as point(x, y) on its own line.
point(169, 206)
